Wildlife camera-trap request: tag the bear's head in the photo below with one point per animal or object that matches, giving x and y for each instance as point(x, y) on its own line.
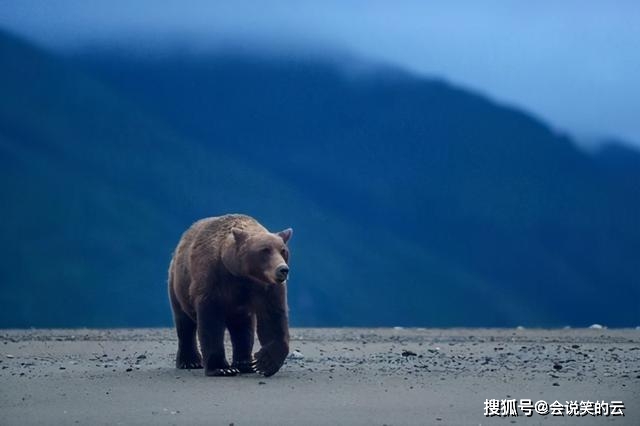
point(262, 257)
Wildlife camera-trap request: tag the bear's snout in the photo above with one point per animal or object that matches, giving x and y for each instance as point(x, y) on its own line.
point(282, 272)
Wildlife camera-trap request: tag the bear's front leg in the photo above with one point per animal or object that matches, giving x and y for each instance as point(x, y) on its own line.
point(273, 331)
point(242, 327)
point(211, 328)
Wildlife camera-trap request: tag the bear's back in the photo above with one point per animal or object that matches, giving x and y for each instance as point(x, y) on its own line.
point(215, 230)
point(200, 245)
point(211, 233)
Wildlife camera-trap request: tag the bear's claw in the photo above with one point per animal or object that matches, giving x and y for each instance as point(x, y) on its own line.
point(223, 372)
point(265, 366)
point(244, 366)
point(190, 365)
point(188, 361)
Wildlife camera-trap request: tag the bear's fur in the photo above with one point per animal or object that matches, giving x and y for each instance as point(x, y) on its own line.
point(229, 272)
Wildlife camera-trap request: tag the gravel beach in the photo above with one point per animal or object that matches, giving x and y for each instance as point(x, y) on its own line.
point(333, 376)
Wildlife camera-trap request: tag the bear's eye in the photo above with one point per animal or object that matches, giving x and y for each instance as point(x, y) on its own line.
point(265, 250)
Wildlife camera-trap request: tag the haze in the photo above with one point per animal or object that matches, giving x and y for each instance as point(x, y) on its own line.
point(573, 63)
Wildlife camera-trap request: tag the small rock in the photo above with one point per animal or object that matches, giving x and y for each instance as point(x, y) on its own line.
point(262, 383)
point(141, 356)
point(596, 327)
point(129, 370)
point(10, 356)
point(408, 353)
point(296, 355)
point(575, 346)
point(556, 384)
point(557, 366)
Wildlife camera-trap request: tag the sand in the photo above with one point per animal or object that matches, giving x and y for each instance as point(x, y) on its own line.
point(337, 376)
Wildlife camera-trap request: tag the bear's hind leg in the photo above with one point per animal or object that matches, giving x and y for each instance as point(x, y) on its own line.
point(187, 356)
point(211, 328)
point(241, 329)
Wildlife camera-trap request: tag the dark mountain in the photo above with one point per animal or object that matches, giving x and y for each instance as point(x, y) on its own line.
point(413, 202)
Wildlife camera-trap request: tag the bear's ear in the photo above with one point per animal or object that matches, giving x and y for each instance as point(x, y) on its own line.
point(286, 234)
point(239, 235)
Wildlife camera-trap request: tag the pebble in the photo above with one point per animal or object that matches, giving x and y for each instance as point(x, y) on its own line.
point(296, 355)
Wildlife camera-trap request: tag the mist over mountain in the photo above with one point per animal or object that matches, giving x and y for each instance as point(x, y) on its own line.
point(574, 63)
point(413, 202)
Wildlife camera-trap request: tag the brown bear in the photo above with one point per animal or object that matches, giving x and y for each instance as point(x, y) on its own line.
point(229, 272)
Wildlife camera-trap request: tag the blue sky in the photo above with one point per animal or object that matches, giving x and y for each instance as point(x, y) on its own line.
point(574, 64)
